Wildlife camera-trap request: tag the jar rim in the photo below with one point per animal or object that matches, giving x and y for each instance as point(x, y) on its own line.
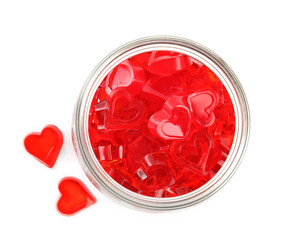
point(85, 153)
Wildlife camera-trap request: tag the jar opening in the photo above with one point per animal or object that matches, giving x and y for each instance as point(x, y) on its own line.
point(172, 119)
point(161, 124)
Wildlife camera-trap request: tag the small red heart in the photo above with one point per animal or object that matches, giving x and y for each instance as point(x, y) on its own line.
point(121, 76)
point(194, 153)
point(123, 111)
point(125, 75)
point(172, 122)
point(202, 105)
point(74, 196)
point(45, 146)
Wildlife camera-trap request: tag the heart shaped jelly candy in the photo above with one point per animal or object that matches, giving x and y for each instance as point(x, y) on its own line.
point(125, 75)
point(157, 174)
point(193, 154)
point(172, 122)
point(202, 105)
point(120, 76)
point(74, 196)
point(124, 112)
point(45, 146)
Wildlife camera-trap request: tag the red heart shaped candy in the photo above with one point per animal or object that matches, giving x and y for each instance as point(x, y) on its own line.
point(45, 146)
point(124, 112)
point(74, 196)
point(125, 75)
point(202, 105)
point(194, 153)
point(172, 122)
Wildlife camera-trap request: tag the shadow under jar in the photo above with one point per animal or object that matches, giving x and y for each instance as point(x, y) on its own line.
point(162, 123)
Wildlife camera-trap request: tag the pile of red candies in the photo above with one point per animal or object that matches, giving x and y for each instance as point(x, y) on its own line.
point(161, 124)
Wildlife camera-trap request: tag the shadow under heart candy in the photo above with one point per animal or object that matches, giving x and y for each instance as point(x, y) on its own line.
point(161, 124)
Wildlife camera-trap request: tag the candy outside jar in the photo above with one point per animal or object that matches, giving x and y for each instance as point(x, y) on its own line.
point(162, 123)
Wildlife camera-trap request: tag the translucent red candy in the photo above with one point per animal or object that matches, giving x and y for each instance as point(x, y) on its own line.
point(74, 196)
point(161, 124)
point(45, 146)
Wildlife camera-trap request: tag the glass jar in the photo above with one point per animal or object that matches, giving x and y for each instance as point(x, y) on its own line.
point(80, 132)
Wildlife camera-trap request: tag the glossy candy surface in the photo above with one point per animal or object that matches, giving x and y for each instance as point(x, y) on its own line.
point(45, 146)
point(161, 124)
point(74, 196)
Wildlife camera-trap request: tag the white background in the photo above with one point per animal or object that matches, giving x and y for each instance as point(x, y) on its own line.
point(48, 49)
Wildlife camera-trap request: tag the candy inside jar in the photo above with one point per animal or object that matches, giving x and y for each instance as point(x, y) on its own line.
point(161, 124)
